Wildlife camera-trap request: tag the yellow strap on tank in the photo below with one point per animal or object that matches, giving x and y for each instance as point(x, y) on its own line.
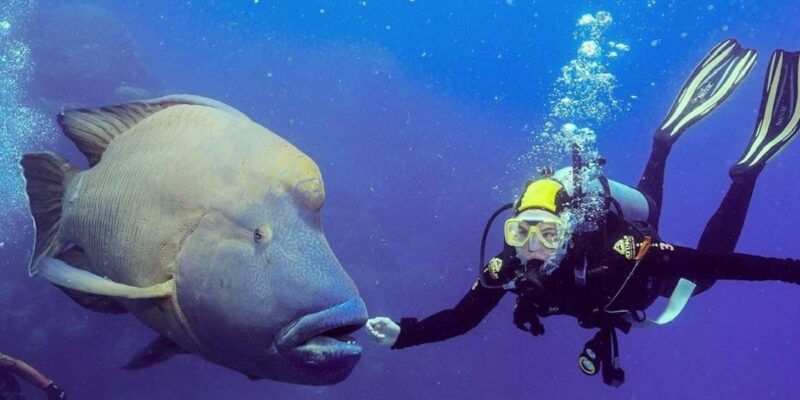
point(540, 194)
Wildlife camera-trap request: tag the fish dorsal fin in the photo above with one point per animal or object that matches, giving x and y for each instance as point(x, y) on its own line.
point(93, 129)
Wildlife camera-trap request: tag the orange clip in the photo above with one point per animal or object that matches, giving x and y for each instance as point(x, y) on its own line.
point(643, 249)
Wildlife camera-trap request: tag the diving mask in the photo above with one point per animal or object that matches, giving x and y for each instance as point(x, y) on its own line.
point(537, 228)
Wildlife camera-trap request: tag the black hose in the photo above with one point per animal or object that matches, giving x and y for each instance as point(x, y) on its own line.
point(486, 233)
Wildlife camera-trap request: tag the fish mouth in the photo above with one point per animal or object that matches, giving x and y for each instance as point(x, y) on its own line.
point(322, 340)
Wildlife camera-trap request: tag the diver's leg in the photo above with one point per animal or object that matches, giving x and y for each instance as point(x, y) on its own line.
point(678, 261)
point(711, 82)
point(652, 181)
point(778, 123)
point(723, 229)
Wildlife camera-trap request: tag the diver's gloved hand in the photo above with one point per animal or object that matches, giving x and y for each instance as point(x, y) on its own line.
point(54, 392)
point(383, 331)
point(509, 254)
point(525, 317)
point(534, 326)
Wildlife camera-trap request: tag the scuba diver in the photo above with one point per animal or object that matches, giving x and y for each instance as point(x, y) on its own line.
point(608, 268)
point(10, 389)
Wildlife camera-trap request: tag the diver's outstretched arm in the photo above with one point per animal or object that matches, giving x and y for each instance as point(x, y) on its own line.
point(446, 324)
point(467, 314)
point(678, 261)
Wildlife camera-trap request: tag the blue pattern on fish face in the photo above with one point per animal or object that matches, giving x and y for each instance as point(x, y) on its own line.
point(238, 294)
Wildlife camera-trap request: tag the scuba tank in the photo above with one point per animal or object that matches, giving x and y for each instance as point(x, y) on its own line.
point(628, 203)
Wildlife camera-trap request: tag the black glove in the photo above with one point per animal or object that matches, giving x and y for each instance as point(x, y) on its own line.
point(494, 275)
point(509, 253)
point(525, 317)
point(54, 392)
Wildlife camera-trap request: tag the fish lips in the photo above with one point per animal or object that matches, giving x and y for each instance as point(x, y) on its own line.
point(320, 341)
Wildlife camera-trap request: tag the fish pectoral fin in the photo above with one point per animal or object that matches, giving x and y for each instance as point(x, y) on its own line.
point(159, 350)
point(64, 275)
point(253, 377)
point(105, 304)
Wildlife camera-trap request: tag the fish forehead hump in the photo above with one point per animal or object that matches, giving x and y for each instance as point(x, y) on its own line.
point(205, 157)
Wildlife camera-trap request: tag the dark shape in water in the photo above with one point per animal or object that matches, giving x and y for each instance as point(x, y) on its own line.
point(84, 55)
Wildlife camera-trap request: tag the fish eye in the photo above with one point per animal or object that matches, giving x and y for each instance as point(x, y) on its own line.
point(262, 234)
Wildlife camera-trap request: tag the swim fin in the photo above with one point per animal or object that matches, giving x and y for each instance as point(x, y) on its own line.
point(779, 114)
point(711, 82)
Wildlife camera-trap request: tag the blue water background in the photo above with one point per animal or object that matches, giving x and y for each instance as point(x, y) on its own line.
point(414, 111)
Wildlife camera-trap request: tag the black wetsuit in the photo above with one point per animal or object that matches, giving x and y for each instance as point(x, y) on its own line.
point(608, 266)
point(561, 294)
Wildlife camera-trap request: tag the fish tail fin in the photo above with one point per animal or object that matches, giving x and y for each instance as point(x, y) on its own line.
point(46, 177)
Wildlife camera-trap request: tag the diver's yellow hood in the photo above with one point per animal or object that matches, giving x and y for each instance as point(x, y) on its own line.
point(543, 194)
